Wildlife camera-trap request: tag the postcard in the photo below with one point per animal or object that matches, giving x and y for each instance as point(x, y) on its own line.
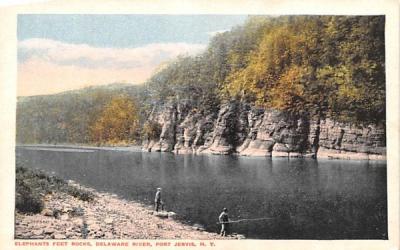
point(200, 125)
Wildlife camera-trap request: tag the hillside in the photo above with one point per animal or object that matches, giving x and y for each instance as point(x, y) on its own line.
point(332, 65)
point(67, 117)
point(296, 83)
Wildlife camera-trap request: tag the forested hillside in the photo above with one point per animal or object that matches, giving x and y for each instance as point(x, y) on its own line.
point(328, 66)
point(91, 115)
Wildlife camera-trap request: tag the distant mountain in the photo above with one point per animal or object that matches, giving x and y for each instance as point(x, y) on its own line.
point(320, 66)
point(66, 117)
point(110, 86)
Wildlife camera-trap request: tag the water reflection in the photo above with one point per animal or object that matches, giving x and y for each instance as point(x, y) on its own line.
point(306, 199)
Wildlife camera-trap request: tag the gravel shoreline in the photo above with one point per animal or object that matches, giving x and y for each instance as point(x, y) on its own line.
point(105, 217)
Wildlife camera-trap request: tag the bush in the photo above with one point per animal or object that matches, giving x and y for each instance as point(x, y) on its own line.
point(33, 185)
point(80, 194)
point(26, 200)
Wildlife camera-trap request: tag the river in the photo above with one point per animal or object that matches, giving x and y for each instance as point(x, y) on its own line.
point(303, 198)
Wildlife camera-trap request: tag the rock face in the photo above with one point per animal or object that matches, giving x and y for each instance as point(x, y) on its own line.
point(223, 140)
point(277, 134)
point(167, 138)
point(339, 140)
point(249, 131)
point(186, 134)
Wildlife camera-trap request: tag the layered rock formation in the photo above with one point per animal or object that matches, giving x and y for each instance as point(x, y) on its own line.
point(339, 140)
point(241, 129)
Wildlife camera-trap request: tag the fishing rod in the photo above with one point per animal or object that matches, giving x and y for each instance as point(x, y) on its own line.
point(237, 221)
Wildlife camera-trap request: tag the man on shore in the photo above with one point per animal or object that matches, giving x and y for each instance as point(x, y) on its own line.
point(224, 219)
point(158, 200)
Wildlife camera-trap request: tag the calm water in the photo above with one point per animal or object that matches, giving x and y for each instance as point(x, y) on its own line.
point(306, 199)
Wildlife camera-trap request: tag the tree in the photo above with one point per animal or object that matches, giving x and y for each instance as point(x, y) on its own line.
point(329, 65)
point(118, 122)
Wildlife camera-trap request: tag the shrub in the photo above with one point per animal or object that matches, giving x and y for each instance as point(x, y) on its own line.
point(32, 185)
point(80, 194)
point(26, 200)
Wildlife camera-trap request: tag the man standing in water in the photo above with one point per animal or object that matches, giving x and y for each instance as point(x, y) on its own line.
point(223, 219)
point(157, 199)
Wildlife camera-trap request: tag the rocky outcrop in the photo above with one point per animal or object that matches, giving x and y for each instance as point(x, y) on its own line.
point(248, 131)
point(168, 119)
point(169, 116)
point(347, 141)
point(279, 134)
point(229, 129)
point(186, 134)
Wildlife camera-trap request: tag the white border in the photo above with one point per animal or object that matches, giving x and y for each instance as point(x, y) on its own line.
point(8, 79)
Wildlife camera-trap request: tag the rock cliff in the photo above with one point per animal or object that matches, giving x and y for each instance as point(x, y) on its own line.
point(241, 129)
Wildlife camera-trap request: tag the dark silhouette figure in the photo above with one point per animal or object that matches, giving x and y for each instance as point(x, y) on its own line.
point(224, 219)
point(157, 200)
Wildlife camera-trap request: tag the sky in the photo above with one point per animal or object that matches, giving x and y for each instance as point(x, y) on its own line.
point(64, 52)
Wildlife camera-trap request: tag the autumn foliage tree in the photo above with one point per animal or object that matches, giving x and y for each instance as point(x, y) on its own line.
point(321, 65)
point(117, 123)
point(331, 65)
point(326, 65)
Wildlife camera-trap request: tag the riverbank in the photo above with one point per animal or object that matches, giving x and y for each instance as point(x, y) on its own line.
point(65, 215)
point(323, 154)
point(132, 148)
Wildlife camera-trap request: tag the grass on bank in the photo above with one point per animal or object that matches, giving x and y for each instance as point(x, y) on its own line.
point(32, 186)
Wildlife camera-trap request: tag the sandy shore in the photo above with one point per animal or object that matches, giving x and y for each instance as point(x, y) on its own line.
point(106, 217)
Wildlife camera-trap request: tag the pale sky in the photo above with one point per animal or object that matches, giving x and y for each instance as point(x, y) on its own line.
point(64, 52)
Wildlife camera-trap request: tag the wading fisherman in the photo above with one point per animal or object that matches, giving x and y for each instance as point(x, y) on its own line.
point(224, 219)
point(157, 200)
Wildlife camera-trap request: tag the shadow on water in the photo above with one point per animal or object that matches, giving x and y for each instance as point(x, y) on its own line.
point(306, 199)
